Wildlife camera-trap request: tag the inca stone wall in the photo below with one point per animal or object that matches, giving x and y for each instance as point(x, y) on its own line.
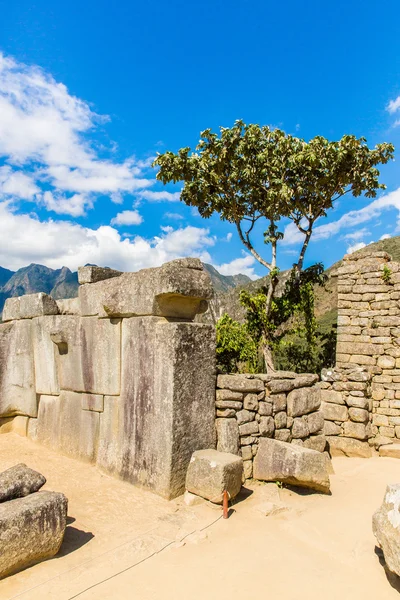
point(367, 372)
point(121, 377)
point(283, 406)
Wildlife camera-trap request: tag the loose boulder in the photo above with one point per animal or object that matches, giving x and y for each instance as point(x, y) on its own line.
point(19, 481)
point(292, 464)
point(386, 527)
point(31, 530)
point(210, 473)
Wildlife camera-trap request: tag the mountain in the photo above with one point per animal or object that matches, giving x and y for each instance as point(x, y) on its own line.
point(63, 283)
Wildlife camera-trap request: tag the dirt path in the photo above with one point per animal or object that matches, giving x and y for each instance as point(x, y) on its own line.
point(318, 547)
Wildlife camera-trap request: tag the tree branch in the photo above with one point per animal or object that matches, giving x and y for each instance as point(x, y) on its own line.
point(246, 242)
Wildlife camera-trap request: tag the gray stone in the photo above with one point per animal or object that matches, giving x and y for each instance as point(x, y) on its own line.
point(239, 383)
point(315, 421)
point(278, 386)
point(359, 402)
point(247, 470)
point(31, 530)
point(69, 306)
point(303, 401)
point(250, 428)
point(229, 404)
point(267, 426)
point(246, 453)
point(30, 305)
point(332, 396)
point(17, 379)
point(19, 481)
point(168, 375)
point(358, 415)
point(280, 420)
point(386, 527)
point(247, 440)
point(210, 473)
point(300, 428)
point(315, 442)
point(227, 435)
point(265, 409)
point(283, 435)
point(341, 446)
point(279, 461)
point(92, 402)
point(227, 395)
point(278, 402)
point(331, 428)
point(226, 413)
point(173, 290)
point(334, 412)
point(250, 402)
point(355, 430)
point(380, 440)
point(109, 454)
point(305, 380)
point(45, 352)
point(93, 274)
point(244, 416)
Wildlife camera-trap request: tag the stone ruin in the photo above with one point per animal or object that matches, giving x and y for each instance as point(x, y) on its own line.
point(121, 376)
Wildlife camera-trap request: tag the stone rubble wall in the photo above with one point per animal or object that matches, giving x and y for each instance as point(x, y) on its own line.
point(121, 377)
point(368, 339)
point(283, 406)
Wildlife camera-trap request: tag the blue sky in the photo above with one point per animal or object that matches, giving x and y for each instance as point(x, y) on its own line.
point(90, 91)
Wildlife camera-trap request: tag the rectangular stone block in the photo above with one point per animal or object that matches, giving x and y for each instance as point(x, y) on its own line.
point(176, 290)
point(240, 383)
point(29, 306)
point(93, 274)
point(167, 400)
point(17, 372)
point(334, 412)
point(92, 402)
point(109, 454)
point(45, 352)
point(359, 348)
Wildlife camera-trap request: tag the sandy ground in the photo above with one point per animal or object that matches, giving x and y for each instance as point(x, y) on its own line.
point(126, 543)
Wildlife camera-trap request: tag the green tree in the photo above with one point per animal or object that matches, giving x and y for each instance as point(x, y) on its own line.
point(236, 349)
point(249, 173)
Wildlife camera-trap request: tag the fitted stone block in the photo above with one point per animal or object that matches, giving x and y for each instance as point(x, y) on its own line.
point(92, 402)
point(303, 401)
point(227, 435)
point(240, 383)
point(210, 473)
point(334, 412)
point(167, 400)
point(346, 446)
point(93, 274)
point(31, 530)
point(177, 289)
point(29, 306)
point(109, 454)
point(17, 372)
point(45, 352)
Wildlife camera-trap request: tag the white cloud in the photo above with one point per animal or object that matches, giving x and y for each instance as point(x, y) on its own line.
point(229, 236)
point(160, 196)
point(74, 205)
point(56, 243)
point(244, 265)
point(357, 235)
point(173, 216)
point(44, 129)
point(393, 105)
point(355, 247)
point(127, 217)
point(385, 236)
point(351, 219)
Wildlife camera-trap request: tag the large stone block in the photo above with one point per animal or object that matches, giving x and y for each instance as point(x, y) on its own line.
point(177, 289)
point(17, 373)
point(292, 464)
point(386, 527)
point(31, 530)
point(64, 426)
point(167, 400)
point(109, 454)
point(342, 446)
point(29, 306)
point(227, 435)
point(334, 412)
point(240, 383)
point(45, 352)
point(93, 274)
point(210, 473)
point(303, 401)
point(89, 351)
point(355, 430)
point(19, 481)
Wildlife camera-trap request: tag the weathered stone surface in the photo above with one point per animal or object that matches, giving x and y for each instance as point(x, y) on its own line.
point(229, 404)
point(332, 396)
point(386, 527)
point(331, 428)
point(278, 386)
point(267, 426)
point(93, 274)
point(16, 425)
point(342, 446)
point(334, 412)
point(226, 413)
point(17, 376)
point(239, 383)
point(63, 426)
point(315, 421)
point(68, 306)
point(355, 430)
point(300, 428)
point(249, 428)
point(45, 352)
point(250, 402)
point(280, 420)
point(247, 470)
point(390, 450)
point(89, 351)
point(279, 461)
point(358, 402)
point(244, 416)
point(210, 473)
point(305, 380)
point(358, 415)
point(31, 530)
point(19, 481)
point(109, 454)
point(303, 401)
point(265, 409)
point(92, 402)
point(227, 435)
point(282, 434)
point(173, 290)
point(278, 402)
point(225, 395)
point(315, 442)
point(380, 440)
point(168, 375)
point(31, 305)
point(246, 453)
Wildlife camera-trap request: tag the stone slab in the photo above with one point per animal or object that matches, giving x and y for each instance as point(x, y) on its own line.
point(210, 473)
point(19, 481)
point(29, 306)
point(342, 446)
point(93, 274)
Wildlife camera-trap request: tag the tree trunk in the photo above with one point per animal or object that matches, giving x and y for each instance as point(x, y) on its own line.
point(268, 359)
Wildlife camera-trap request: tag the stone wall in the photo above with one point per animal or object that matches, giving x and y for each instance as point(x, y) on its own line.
point(283, 406)
point(369, 338)
point(121, 377)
